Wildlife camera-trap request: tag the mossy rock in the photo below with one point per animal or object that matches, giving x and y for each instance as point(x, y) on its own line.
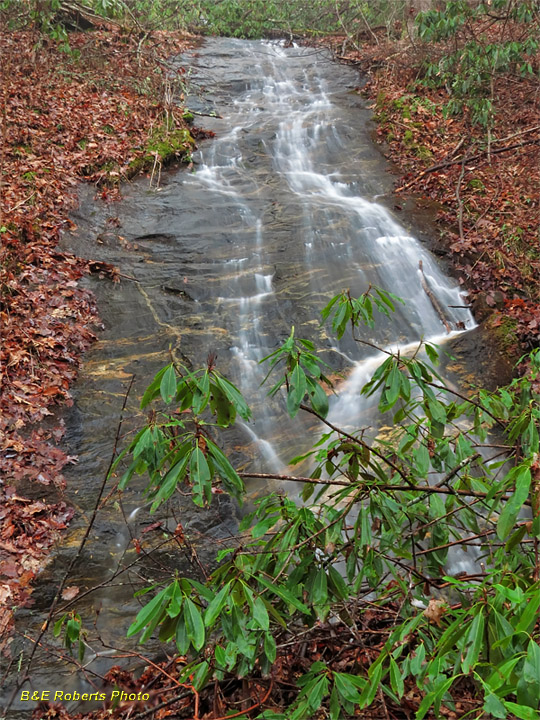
point(170, 144)
point(165, 145)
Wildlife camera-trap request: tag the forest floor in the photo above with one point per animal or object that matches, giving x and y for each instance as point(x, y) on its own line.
point(487, 193)
point(99, 114)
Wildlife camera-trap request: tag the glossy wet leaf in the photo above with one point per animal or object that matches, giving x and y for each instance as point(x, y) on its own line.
point(319, 400)
point(167, 385)
point(194, 624)
point(149, 612)
point(512, 507)
point(200, 477)
point(270, 647)
point(153, 390)
point(182, 639)
point(216, 605)
point(222, 407)
point(260, 614)
point(228, 474)
point(284, 594)
point(233, 395)
point(347, 686)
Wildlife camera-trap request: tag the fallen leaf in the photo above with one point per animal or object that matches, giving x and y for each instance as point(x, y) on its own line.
point(70, 592)
point(435, 610)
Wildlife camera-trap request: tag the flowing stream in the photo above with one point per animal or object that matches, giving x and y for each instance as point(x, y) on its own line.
point(280, 214)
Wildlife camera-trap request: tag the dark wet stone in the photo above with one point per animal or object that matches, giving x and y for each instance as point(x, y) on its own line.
point(176, 291)
point(483, 361)
point(155, 237)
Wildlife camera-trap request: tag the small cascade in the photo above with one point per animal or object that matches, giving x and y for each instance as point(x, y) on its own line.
point(271, 461)
point(348, 410)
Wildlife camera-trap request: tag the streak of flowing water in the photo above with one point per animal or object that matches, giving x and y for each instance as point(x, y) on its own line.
point(277, 218)
point(342, 239)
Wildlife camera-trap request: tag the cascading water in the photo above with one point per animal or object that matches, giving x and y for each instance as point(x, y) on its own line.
point(341, 238)
point(277, 218)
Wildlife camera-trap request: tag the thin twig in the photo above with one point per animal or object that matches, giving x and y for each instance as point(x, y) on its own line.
point(293, 478)
point(166, 703)
point(430, 489)
point(460, 201)
point(446, 479)
point(461, 541)
point(21, 202)
point(373, 450)
point(510, 137)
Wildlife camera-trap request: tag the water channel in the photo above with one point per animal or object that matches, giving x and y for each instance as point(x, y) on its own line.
point(283, 210)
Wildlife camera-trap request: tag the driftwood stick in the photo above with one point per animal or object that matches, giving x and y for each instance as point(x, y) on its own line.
point(21, 202)
point(517, 134)
point(204, 114)
point(436, 305)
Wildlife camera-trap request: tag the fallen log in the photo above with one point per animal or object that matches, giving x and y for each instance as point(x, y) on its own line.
point(436, 305)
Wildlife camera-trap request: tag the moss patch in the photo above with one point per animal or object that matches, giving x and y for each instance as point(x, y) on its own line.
point(504, 331)
point(165, 146)
point(423, 152)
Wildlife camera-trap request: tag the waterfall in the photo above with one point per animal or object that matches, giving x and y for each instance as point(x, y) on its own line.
point(289, 175)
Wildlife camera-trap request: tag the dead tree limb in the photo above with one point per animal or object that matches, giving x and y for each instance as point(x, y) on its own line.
point(436, 305)
point(459, 200)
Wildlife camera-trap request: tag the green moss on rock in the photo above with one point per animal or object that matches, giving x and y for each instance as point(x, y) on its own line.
point(165, 145)
point(503, 330)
